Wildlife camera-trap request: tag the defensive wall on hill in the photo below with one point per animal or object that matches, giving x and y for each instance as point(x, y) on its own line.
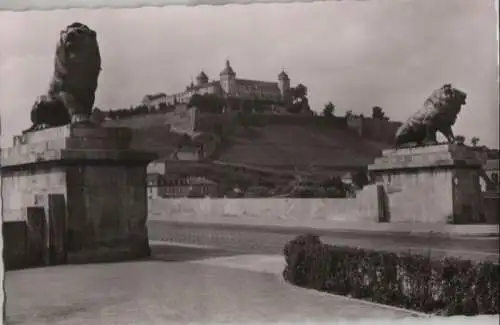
point(189, 120)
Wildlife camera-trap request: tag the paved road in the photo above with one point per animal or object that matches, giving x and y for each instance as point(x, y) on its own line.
point(247, 239)
point(179, 286)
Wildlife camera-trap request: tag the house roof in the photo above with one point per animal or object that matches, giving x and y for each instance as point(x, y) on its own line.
point(154, 96)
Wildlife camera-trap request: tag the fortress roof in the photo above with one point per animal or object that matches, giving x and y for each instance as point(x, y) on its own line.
point(258, 83)
point(228, 70)
point(202, 76)
point(283, 76)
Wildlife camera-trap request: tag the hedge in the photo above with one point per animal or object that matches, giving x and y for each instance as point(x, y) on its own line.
point(448, 286)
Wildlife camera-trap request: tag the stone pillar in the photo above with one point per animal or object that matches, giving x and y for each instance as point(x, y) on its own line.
point(102, 180)
point(433, 184)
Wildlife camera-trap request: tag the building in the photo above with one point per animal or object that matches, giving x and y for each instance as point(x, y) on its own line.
point(156, 167)
point(156, 185)
point(190, 187)
point(229, 86)
point(155, 100)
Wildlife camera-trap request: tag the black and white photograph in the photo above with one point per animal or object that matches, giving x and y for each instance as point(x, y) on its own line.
point(276, 163)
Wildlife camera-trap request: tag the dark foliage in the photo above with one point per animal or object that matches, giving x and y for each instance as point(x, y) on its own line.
point(207, 103)
point(379, 114)
point(132, 111)
point(447, 286)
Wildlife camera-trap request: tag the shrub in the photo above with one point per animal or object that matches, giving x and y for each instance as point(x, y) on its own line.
point(448, 286)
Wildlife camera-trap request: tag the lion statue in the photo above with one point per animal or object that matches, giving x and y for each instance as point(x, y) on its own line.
point(71, 94)
point(439, 113)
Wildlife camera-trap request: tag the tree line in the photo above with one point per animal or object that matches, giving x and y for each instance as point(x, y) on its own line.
point(377, 112)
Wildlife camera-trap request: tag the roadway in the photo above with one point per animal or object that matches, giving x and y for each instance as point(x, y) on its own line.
point(260, 240)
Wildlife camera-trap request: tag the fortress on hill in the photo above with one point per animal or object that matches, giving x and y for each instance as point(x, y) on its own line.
point(275, 93)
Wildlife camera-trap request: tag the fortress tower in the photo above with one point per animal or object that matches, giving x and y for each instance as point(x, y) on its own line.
point(201, 79)
point(284, 86)
point(228, 79)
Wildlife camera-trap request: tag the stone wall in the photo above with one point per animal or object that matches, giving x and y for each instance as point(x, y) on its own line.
point(407, 191)
point(24, 242)
point(19, 189)
point(373, 129)
point(113, 213)
point(492, 209)
point(293, 210)
point(15, 244)
point(467, 196)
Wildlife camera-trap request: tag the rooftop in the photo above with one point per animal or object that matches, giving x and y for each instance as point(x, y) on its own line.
point(228, 70)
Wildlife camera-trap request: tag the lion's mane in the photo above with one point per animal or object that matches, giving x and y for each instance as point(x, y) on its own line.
point(439, 113)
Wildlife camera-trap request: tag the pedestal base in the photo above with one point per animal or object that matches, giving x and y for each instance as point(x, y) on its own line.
point(434, 184)
point(103, 183)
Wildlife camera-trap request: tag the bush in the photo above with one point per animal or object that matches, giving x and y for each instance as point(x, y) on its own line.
point(447, 286)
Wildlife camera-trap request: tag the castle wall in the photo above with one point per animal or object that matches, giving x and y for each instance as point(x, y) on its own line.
point(380, 130)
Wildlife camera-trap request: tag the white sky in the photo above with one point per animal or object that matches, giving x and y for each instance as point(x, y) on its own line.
point(357, 54)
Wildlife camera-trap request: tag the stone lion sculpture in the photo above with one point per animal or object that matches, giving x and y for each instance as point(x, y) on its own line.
point(439, 113)
point(71, 94)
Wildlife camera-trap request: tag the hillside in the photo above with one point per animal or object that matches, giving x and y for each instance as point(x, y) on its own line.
point(289, 146)
point(275, 143)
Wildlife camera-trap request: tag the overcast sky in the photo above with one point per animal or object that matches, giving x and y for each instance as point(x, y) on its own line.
point(356, 54)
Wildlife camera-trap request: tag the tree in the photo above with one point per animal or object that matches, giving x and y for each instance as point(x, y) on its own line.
point(300, 102)
point(207, 103)
point(162, 107)
point(328, 110)
point(378, 113)
point(474, 141)
point(348, 113)
point(460, 139)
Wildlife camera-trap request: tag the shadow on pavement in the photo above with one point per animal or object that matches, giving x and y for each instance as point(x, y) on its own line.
point(174, 253)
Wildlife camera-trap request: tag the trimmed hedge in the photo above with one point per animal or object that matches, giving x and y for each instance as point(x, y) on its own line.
point(447, 286)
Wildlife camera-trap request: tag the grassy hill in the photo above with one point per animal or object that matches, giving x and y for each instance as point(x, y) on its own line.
point(254, 148)
point(289, 146)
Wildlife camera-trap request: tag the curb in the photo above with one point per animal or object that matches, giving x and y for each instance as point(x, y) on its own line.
point(280, 278)
point(412, 313)
point(329, 232)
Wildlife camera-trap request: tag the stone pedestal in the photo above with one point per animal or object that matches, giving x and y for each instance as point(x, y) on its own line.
point(102, 180)
point(434, 184)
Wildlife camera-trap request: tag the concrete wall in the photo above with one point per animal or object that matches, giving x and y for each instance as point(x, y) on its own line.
point(262, 210)
point(424, 197)
point(492, 209)
point(467, 197)
point(19, 189)
point(15, 244)
point(105, 203)
point(23, 241)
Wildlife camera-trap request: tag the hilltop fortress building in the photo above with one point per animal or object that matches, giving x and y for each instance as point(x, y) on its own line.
point(277, 94)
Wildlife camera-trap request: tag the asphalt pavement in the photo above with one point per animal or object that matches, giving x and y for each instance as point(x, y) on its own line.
point(271, 241)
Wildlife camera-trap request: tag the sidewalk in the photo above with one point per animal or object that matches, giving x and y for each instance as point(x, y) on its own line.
point(234, 289)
